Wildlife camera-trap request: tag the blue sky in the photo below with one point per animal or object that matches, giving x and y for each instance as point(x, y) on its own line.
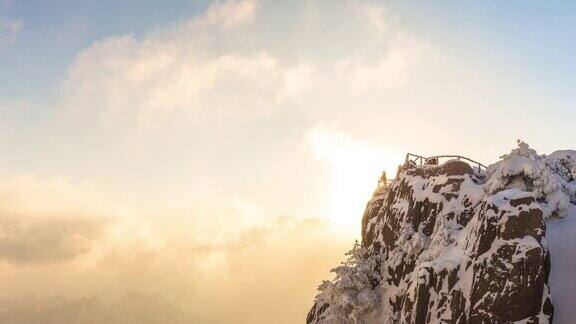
point(53, 32)
point(530, 38)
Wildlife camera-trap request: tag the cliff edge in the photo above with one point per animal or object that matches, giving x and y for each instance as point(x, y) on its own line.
point(451, 244)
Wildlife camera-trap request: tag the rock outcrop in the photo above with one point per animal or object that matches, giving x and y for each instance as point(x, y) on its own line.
point(446, 244)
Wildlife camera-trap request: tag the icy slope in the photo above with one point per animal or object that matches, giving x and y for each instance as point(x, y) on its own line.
point(444, 244)
point(561, 236)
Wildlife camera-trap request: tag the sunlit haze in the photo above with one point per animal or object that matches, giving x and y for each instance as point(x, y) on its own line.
point(220, 154)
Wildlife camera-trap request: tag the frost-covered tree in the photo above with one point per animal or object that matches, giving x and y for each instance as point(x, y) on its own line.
point(354, 292)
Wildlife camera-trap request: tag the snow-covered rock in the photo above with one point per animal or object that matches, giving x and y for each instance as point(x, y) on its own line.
point(444, 244)
point(561, 237)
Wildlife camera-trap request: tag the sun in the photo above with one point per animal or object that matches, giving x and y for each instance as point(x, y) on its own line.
point(355, 167)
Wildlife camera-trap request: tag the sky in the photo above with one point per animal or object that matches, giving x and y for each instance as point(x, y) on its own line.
point(197, 149)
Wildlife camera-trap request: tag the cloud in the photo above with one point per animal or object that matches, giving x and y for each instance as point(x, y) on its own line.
point(376, 14)
point(270, 269)
point(249, 278)
point(9, 30)
point(390, 71)
point(246, 279)
point(65, 238)
point(228, 14)
point(194, 69)
point(50, 220)
point(49, 239)
point(122, 76)
point(297, 80)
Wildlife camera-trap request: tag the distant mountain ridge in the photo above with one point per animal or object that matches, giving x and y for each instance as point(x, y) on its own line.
point(448, 244)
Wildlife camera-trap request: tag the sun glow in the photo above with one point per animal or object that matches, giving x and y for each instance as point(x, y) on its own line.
point(355, 169)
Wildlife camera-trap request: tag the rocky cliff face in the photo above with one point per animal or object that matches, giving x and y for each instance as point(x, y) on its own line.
point(445, 244)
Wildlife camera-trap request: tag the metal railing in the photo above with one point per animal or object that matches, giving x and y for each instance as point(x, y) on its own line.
point(434, 160)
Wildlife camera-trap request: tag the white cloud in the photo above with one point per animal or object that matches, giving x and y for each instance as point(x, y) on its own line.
point(390, 71)
point(193, 67)
point(124, 76)
point(376, 14)
point(297, 80)
point(228, 14)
